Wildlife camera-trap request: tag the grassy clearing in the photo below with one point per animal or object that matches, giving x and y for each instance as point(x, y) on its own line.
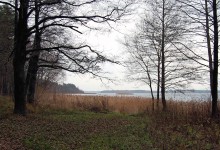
point(71, 129)
point(186, 125)
point(89, 122)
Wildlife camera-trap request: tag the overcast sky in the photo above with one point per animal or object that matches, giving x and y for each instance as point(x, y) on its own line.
point(110, 44)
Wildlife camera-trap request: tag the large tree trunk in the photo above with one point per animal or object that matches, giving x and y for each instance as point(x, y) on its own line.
point(19, 86)
point(19, 59)
point(215, 63)
point(163, 62)
point(33, 63)
point(32, 77)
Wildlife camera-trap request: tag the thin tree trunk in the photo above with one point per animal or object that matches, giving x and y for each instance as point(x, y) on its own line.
point(151, 89)
point(209, 48)
point(215, 67)
point(150, 81)
point(158, 82)
point(163, 63)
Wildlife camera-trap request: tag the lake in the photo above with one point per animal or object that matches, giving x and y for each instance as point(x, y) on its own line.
point(197, 96)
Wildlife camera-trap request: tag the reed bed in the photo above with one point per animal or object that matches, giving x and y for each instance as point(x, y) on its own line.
point(189, 110)
point(121, 104)
point(126, 104)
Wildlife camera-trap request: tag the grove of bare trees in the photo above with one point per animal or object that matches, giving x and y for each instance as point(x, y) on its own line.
point(204, 17)
point(35, 20)
point(156, 58)
point(175, 44)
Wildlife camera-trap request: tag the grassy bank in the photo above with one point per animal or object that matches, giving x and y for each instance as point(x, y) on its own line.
point(125, 104)
point(85, 122)
point(71, 129)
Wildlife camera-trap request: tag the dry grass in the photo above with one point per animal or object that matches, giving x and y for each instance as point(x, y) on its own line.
point(185, 125)
point(189, 110)
point(126, 104)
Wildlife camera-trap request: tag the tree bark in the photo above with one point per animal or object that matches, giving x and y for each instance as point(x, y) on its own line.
point(151, 88)
point(209, 46)
point(19, 59)
point(215, 63)
point(32, 77)
point(158, 81)
point(211, 71)
point(163, 62)
point(4, 85)
point(33, 63)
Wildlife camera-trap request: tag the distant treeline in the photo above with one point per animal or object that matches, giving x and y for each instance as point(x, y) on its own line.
point(125, 91)
point(146, 91)
point(68, 88)
point(58, 88)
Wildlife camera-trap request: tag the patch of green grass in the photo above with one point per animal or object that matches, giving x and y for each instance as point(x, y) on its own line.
point(132, 136)
point(52, 129)
point(65, 130)
point(39, 143)
point(77, 116)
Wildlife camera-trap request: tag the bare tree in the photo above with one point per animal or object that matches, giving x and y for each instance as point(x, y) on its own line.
point(70, 15)
point(159, 34)
point(139, 64)
point(31, 76)
point(204, 16)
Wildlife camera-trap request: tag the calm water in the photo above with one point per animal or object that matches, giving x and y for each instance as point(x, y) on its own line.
point(175, 96)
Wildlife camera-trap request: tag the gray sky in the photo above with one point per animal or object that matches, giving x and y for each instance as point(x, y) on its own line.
point(110, 44)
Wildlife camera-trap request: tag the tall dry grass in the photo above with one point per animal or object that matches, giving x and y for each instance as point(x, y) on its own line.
point(126, 104)
point(121, 104)
point(189, 110)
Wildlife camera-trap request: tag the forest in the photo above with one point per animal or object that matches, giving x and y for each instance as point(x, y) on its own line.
point(173, 46)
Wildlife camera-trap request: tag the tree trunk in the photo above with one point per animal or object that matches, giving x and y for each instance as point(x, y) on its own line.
point(4, 85)
point(33, 63)
point(215, 63)
point(163, 62)
point(19, 86)
point(19, 59)
point(209, 48)
point(151, 89)
point(158, 82)
point(32, 77)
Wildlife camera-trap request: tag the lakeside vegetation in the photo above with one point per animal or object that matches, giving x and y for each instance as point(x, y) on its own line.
point(176, 52)
point(91, 122)
point(173, 45)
